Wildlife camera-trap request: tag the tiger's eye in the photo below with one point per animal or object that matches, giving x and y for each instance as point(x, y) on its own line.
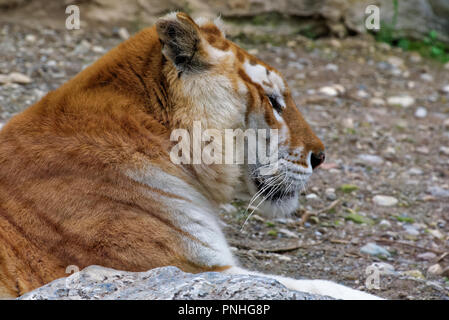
point(274, 102)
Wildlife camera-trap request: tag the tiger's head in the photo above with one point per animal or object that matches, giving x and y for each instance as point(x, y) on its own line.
point(214, 81)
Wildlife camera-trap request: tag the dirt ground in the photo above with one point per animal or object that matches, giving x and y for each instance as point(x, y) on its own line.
point(374, 145)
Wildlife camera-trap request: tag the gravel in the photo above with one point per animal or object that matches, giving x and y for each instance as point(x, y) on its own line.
point(414, 171)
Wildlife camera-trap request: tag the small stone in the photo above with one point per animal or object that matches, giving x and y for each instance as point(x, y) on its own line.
point(348, 123)
point(435, 269)
point(426, 256)
point(370, 159)
point(30, 38)
point(98, 49)
point(385, 201)
point(377, 102)
point(415, 171)
point(446, 66)
point(332, 67)
point(329, 91)
point(434, 97)
point(444, 150)
point(411, 230)
point(335, 43)
point(340, 89)
point(421, 112)
point(445, 89)
point(19, 78)
point(283, 258)
point(402, 124)
point(422, 150)
point(288, 233)
point(384, 46)
point(395, 61)
point(403, 101)
point(385, 224)
point(82, 48)
point(426, 77)
point(375, 250)
point(362, 94)
point(333, 90)
point(396, 72)
point(253, 51)
point(414, 274)
point(415, 57)
point(312, 197)
point(229, 208)
point(436, 233)
point(123, 33)
point(330, 194)
point(438, 192)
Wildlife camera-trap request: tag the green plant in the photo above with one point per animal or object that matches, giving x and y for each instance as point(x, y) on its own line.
point(405, 219)
point(395, 12)
point(430, 46)
point(357, 218)
point(348, 188)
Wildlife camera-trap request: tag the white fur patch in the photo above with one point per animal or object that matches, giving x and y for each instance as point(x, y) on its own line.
point(259, 74)
point(201, 21)
point(216, 56)
point(195, 216)
point(216, 102)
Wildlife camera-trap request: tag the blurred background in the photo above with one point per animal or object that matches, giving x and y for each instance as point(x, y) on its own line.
point(379, 99)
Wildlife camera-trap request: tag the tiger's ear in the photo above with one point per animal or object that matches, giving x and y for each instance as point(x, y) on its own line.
point(181, 42)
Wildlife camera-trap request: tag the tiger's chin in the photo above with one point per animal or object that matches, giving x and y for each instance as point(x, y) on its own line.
point(281, 207)
point(274, 200)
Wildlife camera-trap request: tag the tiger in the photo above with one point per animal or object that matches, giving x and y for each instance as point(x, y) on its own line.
point(86, 176)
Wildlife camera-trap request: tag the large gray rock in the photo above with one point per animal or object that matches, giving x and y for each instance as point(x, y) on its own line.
point(168, 283)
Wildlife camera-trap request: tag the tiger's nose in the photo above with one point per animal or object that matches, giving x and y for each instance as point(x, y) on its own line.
point(316, 159)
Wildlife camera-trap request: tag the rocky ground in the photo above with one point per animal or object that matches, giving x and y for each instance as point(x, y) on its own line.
point(381, 197)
